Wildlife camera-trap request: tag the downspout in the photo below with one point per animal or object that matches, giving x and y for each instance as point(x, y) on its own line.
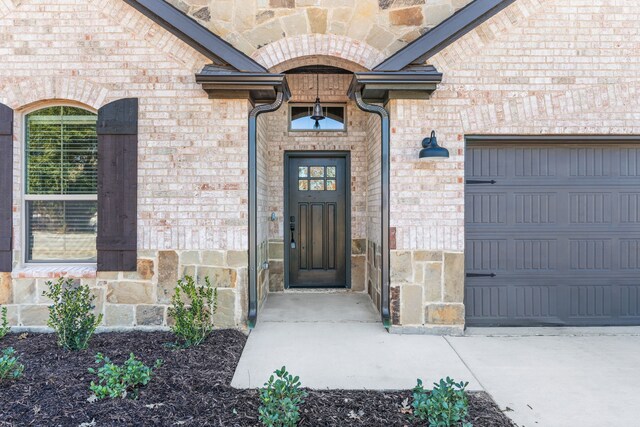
point(385, 309)
point(252, 316)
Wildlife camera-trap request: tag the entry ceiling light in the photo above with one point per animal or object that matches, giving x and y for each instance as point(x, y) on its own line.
point(431, 149)
point(317, 107)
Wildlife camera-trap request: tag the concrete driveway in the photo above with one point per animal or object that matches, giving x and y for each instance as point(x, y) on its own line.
point(560, 377)
point(565, 380)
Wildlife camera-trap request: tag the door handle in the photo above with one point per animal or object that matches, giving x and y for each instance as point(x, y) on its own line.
point(481, 275)
point(292, 227)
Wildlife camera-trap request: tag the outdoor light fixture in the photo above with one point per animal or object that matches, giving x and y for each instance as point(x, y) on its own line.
point(431, 149)
point(317, 107)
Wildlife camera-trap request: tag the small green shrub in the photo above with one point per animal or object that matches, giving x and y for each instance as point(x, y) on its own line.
point(281, 399)
point(444, 406)
point(121, 381)
point(10, 366)
point(4, 323)
point(193, 320)
point(71, 314)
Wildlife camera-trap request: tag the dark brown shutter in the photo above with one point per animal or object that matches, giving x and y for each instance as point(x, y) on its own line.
point(6, 187)
point(118, 185)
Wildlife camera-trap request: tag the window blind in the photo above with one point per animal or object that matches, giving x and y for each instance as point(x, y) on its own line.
point(61, 185)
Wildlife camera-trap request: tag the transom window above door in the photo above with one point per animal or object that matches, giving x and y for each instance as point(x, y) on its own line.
point(61, 158)
point(334, 118)
point(317, 178)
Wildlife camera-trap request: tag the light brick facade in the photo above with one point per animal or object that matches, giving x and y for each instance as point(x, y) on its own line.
point(538, 67)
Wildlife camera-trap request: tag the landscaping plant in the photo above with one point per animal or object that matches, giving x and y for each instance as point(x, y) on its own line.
point(117, 381)
point(193, 318)
point(4, 323)
point(444, 406)
point(10, 367)
point(71, 314)
point(281, 398)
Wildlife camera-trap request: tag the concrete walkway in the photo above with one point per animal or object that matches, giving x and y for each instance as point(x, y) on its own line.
point(546, 377)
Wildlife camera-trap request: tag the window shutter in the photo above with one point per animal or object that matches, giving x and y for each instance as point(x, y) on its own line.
point(118, 185)
point(6, 187)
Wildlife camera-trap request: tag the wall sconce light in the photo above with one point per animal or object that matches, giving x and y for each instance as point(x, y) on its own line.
point(431, 149)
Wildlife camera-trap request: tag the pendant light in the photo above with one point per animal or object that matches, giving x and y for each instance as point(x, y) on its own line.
point(317, 107)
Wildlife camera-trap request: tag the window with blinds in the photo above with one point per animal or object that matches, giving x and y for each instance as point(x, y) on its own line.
point(61, 153)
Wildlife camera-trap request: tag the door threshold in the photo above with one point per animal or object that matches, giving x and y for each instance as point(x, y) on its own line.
point(317, 290)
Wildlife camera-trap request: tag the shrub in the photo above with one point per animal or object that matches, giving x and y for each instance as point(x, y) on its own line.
point(10, 367)
point(121, 381)
point(193, 321)
point(445, 405)
point(281, 399)
point(4, 323)
point(71, 314)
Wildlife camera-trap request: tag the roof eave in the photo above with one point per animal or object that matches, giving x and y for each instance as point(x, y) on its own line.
point(257, 87)
point(380, 87)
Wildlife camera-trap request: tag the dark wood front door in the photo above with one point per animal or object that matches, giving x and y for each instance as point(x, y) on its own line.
point(316, 220)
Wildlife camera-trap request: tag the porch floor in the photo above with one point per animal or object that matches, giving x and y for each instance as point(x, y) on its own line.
point(336, 340)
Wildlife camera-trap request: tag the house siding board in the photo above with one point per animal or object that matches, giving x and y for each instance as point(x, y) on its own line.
point(6, 188)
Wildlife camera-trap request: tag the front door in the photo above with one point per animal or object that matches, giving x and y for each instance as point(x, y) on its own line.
point(316, 219)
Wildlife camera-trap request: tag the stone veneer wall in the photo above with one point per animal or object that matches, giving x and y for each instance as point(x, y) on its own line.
point(192, 180)
point(538, 67)
point(333, 89)
point(385, 25)
point(135, 299)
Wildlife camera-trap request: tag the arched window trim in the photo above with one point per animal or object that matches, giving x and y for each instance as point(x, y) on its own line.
point(26, 197)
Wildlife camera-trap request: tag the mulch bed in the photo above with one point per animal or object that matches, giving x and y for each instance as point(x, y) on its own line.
point(191, 388)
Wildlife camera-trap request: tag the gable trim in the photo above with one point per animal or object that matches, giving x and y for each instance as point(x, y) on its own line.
point(195, 35)
point(441, 36)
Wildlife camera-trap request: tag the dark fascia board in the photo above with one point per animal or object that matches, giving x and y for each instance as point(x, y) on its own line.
point(195, 35)
point(443, 34)
point(259, 87)
point(381, 86)
point(551, 139)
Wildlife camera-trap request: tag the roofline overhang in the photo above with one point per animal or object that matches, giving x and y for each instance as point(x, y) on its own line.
point(380, 87)
point(259, 88)
point(195, 35)
point(442, 35)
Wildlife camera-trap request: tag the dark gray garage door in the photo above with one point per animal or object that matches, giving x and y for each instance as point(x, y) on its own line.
point(552, 234)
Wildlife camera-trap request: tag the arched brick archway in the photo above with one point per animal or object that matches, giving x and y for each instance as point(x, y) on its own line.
point(358, 55)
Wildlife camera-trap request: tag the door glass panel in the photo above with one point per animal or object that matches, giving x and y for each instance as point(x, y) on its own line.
point(317, 171)
point(303, 185)
point(303, 172)
point(331, 171)
point(331, 185)
point(317, 184)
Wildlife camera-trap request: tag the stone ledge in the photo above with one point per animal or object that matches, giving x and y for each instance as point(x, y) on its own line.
point(55, 271)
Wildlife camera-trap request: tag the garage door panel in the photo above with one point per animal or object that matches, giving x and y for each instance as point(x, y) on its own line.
point(487, 208)
point(486, 255)
point(589, 301)
point(539, 162)
point(629, 301)
point(590, 161)
point(554, 236)
point(535, 255)
point(589, 255)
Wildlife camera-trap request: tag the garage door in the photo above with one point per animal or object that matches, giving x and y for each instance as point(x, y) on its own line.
point(552, 234)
